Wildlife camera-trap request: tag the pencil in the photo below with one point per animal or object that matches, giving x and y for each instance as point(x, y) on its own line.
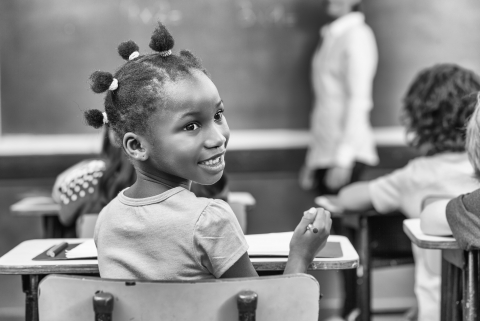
point(57, 249)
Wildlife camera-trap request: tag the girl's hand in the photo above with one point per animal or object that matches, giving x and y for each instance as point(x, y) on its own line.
point(309, 237)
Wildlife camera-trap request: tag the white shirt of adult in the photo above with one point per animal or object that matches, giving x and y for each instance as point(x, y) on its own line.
point(343, 69)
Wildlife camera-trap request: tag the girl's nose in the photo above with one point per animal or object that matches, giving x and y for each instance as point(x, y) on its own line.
point(218, 136)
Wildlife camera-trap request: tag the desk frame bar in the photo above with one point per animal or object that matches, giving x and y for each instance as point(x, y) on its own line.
point(363, 271)
point(470, 296)
point(30, 288)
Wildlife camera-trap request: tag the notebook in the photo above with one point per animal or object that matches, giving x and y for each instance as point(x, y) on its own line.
point(260, 245)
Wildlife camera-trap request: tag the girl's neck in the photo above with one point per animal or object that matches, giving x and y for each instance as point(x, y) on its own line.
point(148, 184)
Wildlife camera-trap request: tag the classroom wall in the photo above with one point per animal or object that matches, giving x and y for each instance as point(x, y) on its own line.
point(258, 53)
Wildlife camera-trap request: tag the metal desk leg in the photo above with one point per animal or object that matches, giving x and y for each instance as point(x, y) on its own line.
point(30, 288)
point(445, 299)
point(363, 270)
point(451, 292)
point(470, 272)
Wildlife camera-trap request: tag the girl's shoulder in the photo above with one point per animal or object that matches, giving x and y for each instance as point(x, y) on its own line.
point(216, 210)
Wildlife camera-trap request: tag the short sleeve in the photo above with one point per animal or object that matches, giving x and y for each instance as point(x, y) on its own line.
point(386, 191)
point(219, 241)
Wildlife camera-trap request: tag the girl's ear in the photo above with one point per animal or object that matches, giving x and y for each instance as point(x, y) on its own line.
point(135, 146)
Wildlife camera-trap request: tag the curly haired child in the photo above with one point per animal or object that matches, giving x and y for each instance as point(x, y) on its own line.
point(169, 118)
point(435, 112)
point(459, 216)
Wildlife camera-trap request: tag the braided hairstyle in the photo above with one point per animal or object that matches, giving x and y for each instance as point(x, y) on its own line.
point(136, 89)
point(437, 106)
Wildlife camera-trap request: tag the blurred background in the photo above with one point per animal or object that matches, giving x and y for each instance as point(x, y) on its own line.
point(258, 53)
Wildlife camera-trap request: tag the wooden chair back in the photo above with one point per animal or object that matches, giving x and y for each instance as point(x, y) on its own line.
point(284, 297)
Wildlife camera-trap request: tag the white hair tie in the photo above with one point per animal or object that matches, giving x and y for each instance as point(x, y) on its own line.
point(113, 85)
point(165, 53)
point(134, 55)
point(105, 118)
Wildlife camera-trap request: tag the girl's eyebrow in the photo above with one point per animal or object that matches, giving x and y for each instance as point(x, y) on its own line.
point(193, 113)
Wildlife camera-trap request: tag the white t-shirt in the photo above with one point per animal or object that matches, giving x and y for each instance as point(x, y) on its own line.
point(445, 174)
point(171, 236)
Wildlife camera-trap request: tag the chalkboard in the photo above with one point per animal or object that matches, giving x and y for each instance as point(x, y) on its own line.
point(414, 34)
point(257, 51)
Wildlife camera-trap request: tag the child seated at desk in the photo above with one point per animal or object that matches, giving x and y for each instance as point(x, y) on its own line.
point(168, 116)
point(435, 110)
point(459, 216)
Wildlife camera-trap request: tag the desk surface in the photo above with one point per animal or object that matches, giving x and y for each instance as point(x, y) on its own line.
point(19, 259)
point(411, 227)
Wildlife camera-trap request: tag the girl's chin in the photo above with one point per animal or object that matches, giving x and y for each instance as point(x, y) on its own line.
point(210, 180)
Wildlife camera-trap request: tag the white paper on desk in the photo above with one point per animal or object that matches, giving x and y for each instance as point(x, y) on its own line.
point(87, 249)
point(270, 244)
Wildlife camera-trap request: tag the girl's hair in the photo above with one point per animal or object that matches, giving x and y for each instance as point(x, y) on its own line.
point(473, 138)
point(119, 174)
point(436, 110)
point(136, 89)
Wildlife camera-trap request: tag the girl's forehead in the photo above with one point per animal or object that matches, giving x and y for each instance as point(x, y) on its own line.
point(192, 90)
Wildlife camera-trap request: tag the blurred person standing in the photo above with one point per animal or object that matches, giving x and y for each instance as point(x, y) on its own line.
point(342, 142)
point(343, 69)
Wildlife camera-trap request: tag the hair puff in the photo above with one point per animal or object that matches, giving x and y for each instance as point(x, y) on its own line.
point(94, 118)
point(101, 81)
point(161, 39)
point(125, 49)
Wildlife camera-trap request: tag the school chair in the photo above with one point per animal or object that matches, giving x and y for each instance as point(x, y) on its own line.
point(240, 202)
point(380, 242)
point(75, 298)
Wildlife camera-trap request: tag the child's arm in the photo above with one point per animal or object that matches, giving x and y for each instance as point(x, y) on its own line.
point(304, 246)
point(242, 268)
point(355, 197)
point(433, 219)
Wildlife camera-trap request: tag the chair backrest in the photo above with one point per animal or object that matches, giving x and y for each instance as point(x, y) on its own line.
point(284, 297)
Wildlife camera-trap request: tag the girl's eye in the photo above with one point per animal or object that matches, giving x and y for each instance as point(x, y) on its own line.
point(191, 127)
point(218, 116)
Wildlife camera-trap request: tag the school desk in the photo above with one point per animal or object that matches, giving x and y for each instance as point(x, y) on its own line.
point(391, 251)
point(18, 261)
point(459, 271)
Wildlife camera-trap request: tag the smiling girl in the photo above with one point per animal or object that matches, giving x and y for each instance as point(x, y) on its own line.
point(169, 118)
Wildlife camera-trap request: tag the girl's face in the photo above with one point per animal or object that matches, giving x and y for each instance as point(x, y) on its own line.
point(339, 8)
point(188, 137)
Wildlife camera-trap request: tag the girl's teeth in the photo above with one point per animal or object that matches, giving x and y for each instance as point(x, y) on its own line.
point(212, 161)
